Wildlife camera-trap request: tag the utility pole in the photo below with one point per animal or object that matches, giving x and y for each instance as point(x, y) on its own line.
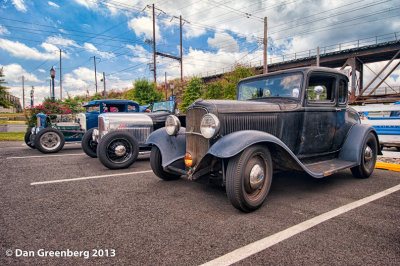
point(155, 53)
point(95, 73)
point(154, 48)
point(318, 56)
point(60, 78)
point(165, 86)
point(23, 92)
point(265, 70)
point(104, 83)
point(32, 95)
point(180, 28)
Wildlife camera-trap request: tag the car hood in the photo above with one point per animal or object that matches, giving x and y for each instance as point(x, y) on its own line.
point(234, 106)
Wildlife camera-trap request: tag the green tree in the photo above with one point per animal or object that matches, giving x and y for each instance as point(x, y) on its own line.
point(3, 91)
point(74, 104)
point(96, 97)
point(231, 80)
point(214, 90)
point(192, 92)
point(129, 95)
point(145, 92)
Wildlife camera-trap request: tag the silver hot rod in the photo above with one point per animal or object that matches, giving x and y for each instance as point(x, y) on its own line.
point(121, 136)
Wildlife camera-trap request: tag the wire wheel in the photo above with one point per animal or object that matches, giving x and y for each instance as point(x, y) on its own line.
point(117, 150)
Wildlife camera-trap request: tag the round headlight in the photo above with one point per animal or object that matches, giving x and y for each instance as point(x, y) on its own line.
point(209, 126)
point(172, 125)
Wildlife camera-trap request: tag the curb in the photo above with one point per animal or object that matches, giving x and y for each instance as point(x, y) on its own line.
point(388, 166)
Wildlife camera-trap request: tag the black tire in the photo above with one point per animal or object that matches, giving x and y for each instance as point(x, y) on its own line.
point(155, 163)
point(243, 195)
point(28, 140)
point(88, 145)
point(108, 155)
point(49, 140)
point(368, 158)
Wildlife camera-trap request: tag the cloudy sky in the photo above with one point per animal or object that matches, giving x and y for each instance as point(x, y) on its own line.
point(217, 34)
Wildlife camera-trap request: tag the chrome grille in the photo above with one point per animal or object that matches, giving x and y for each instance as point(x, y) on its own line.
point(140, 134)
point(261, 122)
point(196, 145)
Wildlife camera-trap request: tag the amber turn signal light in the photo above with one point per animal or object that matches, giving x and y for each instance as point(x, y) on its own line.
point(188, 159)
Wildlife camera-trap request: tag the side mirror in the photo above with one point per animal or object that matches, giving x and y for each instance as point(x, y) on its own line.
point(318, 90)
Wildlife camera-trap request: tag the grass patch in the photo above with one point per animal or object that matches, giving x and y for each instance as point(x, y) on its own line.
point(6, 122)
point(12, 136)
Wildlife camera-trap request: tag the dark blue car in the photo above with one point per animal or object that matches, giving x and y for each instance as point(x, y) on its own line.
point(50, 136)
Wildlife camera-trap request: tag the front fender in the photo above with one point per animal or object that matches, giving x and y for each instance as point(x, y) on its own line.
point(234, 143)
point(172, 148)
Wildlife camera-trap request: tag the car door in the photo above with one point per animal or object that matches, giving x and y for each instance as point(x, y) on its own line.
point(320, 117)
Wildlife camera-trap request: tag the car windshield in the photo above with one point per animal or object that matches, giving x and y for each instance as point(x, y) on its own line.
point(279, 86)
point(164, 106)
point(93, 108)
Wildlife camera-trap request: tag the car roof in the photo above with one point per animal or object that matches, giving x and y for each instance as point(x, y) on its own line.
point(305, 70)
point(110, 101)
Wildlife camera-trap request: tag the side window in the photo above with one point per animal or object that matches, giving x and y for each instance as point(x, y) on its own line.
point(131, 108)
point(321, 89)
point(342, 92)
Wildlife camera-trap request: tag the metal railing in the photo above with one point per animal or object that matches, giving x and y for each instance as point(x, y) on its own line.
point(281, 58)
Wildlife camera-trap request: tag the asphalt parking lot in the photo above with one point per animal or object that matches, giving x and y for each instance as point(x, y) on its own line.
point(70, 202)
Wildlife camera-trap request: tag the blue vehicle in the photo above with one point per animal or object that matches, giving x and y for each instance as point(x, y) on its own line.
point(51, 132)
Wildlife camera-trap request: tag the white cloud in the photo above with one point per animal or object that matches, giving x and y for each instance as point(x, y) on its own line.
point(224, 42)
point(42, 70)
point(84, 74)
point(53, 4)
point(18, 49)
point(87, 3)
point(140, 54)
point(144, 26)
point(14, 73)
point(3, 30)
point(93, 49)
point(58, 40)
point(20, 5)
point(49, 47)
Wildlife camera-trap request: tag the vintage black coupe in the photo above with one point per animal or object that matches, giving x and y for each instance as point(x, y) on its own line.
point(295, 119)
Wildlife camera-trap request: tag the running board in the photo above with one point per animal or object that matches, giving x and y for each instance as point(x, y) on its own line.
point(329, 167)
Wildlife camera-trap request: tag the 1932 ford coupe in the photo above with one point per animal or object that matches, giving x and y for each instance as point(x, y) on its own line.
point(295, 119)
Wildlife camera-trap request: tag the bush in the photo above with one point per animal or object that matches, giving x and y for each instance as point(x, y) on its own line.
point(192, 92)
point(45, 108)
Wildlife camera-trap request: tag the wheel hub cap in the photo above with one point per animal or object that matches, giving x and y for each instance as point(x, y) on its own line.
point(368, 154)
point(256, 176)
point(120, 150)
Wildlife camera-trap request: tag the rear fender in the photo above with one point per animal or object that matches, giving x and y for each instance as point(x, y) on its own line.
point(172, 148)
point(353, 145)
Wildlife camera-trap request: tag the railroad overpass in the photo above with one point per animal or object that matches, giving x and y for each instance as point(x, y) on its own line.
point(352, 61)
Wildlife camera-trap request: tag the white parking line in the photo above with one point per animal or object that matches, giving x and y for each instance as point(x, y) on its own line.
point(262, 244)
point(86, 178)
point(39, 156)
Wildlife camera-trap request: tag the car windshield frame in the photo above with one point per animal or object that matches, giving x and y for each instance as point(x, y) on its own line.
point(288, 85)
point(168, 106)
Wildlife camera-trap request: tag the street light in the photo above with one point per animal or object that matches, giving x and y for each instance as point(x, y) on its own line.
point(172, 91)
point(52, 75)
